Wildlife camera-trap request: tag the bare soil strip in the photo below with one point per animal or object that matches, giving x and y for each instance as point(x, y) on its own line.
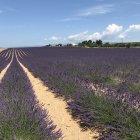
point(57, 111)
point(25, 53)
point(19, 54)
point(4, 53)
point(2, 49)
point(10, 53)
point(3, 72)
point(7, 54)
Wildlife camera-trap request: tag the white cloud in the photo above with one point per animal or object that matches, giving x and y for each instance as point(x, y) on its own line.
point(131, 28)
point(121, 35)
point(96, 10)
point(78, 37)
point(91, 11)
point(113, 28)
point(54, 38)
point(111, 33)
point(110, 30)
point(94, 36)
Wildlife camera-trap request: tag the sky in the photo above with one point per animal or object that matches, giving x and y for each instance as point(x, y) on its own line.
point(40, 22)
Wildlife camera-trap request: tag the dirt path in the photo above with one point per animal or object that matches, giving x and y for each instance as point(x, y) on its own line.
point(3, 72)
point(10, 53)
point(1, 49)
point(7, 53)
point(57, 111)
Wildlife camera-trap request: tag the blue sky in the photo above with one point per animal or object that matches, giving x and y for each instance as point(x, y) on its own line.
point(39, 22)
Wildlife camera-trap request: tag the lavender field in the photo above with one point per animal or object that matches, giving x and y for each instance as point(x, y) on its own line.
point(69, 70)
point(4, 61)
point(98, 88)
point(21, 116)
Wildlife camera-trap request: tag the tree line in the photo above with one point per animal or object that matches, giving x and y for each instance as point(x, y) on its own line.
point(99, 43)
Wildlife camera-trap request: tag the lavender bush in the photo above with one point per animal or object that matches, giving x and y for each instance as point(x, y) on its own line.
point(101, 86)
point(3, 60)
point(21, 117)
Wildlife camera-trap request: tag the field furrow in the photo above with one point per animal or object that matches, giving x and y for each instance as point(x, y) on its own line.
point(3, 72)
point(5, 62)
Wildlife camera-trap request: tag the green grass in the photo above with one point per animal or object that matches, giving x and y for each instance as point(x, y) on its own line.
point(110, 112)
point(133, 87)
point(67, 87)
point(125, 123)
point(107, 112)
point(23, 132)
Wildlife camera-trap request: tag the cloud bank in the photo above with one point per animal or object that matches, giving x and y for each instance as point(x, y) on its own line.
point(131, 28)
point(112, 32)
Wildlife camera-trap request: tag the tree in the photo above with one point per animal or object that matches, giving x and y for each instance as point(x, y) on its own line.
point(69, 45)
point(84, 43)
point(107, 45)
point(59, 45)
point(99, 42)
point(128, 45)
point(49, 45)
point(90, 43)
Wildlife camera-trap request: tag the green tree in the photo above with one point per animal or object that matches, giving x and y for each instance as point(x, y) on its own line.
point(107, 45)
point(99, 43)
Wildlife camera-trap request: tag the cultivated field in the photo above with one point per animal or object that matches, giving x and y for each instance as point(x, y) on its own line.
point(70, 94)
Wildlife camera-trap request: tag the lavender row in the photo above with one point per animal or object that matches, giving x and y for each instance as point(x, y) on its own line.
point(3, 60)
point(21, 116)
point(100, 85)
point(113, 76)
